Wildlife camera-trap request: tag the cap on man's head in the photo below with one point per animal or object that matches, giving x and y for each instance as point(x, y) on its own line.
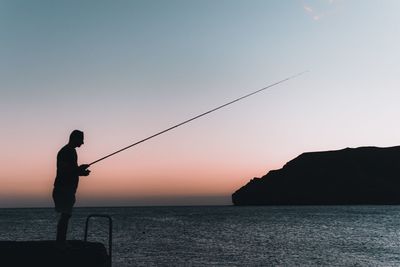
point(76, 135)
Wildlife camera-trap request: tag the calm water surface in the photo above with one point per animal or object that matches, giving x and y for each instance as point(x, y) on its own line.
point(229, 236)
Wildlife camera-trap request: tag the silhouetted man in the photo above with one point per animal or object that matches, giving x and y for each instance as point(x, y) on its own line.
point(66, 182)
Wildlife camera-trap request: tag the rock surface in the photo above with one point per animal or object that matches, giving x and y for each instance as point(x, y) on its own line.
point(364, 175)
point(47, 253)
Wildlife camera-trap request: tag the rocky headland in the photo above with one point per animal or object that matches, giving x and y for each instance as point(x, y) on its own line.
point(351, 176)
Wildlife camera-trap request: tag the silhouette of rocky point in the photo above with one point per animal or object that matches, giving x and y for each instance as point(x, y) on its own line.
point(364, 175)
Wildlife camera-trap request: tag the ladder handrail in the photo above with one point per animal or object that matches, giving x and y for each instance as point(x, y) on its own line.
point(109, 230)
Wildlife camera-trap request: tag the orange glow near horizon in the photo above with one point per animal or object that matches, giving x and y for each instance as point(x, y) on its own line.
point(131, 179)
point(124, 71)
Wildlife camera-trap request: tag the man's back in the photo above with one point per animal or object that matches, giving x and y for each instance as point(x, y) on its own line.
point(67, 169)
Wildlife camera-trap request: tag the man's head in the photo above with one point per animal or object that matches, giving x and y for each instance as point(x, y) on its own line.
point(76, 138)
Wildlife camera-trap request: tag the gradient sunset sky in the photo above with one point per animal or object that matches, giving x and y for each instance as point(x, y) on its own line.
point(123, 70)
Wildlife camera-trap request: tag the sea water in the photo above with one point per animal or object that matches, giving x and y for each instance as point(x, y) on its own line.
point(228, 235)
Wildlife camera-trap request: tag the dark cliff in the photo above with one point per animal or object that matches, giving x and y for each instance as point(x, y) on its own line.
point(365, 175)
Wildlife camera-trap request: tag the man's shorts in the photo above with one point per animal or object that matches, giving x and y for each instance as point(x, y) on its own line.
point(64, 200)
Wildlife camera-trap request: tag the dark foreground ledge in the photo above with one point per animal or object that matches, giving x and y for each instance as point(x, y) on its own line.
point(47, 253)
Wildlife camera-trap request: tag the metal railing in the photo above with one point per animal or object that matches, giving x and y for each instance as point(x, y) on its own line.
point(109, 231)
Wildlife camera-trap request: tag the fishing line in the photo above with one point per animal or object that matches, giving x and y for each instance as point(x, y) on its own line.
point(198, 116)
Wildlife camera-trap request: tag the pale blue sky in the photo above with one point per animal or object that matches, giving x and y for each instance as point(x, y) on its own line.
point(123, 70)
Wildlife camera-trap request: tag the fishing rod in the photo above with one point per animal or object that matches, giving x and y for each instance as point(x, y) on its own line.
point(198, 116)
